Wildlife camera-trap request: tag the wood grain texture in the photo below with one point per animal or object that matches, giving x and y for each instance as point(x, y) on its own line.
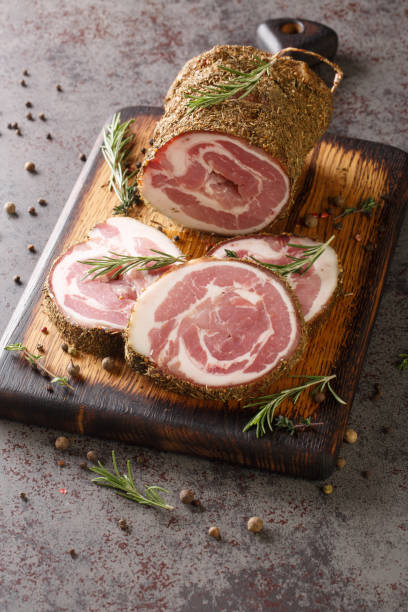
point(126, 406)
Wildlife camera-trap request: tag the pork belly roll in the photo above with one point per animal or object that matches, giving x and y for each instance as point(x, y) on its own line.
point(92, 314)
point(215, 329)
point(315, 289)
point(231, 168)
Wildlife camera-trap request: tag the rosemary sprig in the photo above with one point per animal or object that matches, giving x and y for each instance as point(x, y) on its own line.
point(299, 265)
point(403, 364)
point(365, 207)
point(126, 487)
point(269, 403)
point(283, 422)
point(120, 264)
point(115, 149)
point(243, 84)
point(34, 361)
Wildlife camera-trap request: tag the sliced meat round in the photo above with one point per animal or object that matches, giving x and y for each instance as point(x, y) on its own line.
point(216, 183)
point(232, 168)
point(315, 289)
point(215, 328)
point(92, 313)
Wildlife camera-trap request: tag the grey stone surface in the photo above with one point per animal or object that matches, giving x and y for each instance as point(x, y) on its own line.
point(347, 551)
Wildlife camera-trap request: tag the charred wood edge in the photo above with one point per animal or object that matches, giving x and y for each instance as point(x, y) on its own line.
point(71, 412)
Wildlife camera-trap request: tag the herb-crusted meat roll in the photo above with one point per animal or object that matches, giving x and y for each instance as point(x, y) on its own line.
point(231, 168)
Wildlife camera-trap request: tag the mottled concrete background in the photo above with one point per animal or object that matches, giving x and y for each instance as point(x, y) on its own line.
point(347, 551)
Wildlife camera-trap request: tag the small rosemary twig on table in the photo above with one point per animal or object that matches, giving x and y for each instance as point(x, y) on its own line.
point(119, 263)
point(298, 265)
point(403, 364)
point(269, 403)
point(34, 361)
point(125, 486)
point(365, 207)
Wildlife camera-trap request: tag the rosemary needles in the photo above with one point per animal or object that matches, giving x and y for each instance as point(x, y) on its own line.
point(34, 361)
point(265, 418)
point(299, 265)
point(115, 149)
point(125, 486)
point(365, 207)
point(119, 264)
point(238, 88)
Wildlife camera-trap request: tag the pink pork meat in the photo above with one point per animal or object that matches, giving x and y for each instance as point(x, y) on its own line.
point(81, 305)
point(215, 328)
point(315, 289)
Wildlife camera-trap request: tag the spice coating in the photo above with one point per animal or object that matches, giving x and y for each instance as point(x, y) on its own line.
point(284, 115)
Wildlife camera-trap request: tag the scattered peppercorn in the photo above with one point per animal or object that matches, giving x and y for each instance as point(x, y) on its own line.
point(25, 72)
point(40, 348)
point(61, 463)
point(44, 330)
point(369, 247)
point(123, 524)
point(18, 132)
point(72, 552)
point(176, 238)
point(42, 202)
point(331, 210)
point(338, 226)
point(151, 142)
point(58, 87)
point(214, 532)
point(10, 208)
point(143, 151)
point(139, 165)
point(387, 430)
point(72, 351)
point(50, 389)
point(24, 497)
point(29, 116)
point(366, 474)
point(83, 465)
point(319, 397)
point(357, 237)
point(23, 83)
point(186, 496)
point(108, 363)
point(49, 137)
point(62, 443)
point(31, 248)
point(337, 201)
point(327, 489)
point(64, 347)
point(377, 391)
point(196, 502)
point(310, 220)
point(42, 116)
point(32, 211)
point(255, 524)
point(29, 166)
point(82, 157)
point(9, 126)
point(28, 104)
point(17, 279)
point(14, 125)
point(350, 436)
point(73, 369)
point(92, 456)
point(341, 462)
point(324, 215)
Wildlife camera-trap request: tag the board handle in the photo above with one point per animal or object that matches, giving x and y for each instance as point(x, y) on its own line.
point(337, 70)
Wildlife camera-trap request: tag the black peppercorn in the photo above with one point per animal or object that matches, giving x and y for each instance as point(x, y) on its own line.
point(28, 104)
point(151, 142)
point(143, 151)
point(49, 137)
point(176, 238)
point(30, 117)
point(42, 202)
point(42, 116)
point(32, 211)
point(17, 279)
point(58, 87)
point(23, 83)
point(139, 165)
point(82, 157)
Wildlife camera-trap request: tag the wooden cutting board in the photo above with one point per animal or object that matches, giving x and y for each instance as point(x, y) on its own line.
point(129, 407)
